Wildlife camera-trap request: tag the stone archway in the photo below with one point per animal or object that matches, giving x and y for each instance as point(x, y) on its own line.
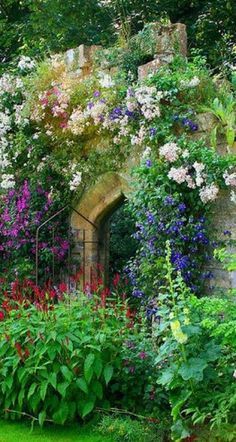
point(95, 208)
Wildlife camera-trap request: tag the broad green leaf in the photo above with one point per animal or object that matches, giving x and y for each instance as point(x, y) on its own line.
point(81, 383)
point(34, 402)
point(97, 389)
point(62, 387)
point(68, 375)
point(88, 407)
point(97, 367)
point(89, 360)
point(88, 370)
point(193, 369)
point(41, 417)
point(178, 402)
point(107, 373)
point(43, 389)
point(179, 431)
point(230, 136)
point(88, 374)
point(9, 381)
point(52, 379)
point(31, 390)
point(61, 415)
point(166, 376)
point(51, 352)
point(21, 397)
point(213, 137)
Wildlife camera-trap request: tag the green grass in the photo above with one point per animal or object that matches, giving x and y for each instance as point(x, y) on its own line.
point(20, 432)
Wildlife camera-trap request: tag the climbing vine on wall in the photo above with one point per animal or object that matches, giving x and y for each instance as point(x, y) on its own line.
point(60, 131)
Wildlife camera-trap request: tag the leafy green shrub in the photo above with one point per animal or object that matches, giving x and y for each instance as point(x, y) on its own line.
point(196, 353)
point(130, 430)
point(56, 365)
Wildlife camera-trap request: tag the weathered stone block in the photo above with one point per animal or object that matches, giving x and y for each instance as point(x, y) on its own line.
point(153, 66)
point(80, 59)
point(170, 38)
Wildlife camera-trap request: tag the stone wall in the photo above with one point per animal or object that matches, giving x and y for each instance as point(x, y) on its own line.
point(98, 203)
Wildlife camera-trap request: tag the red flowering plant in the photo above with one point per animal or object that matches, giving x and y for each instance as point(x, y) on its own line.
point(24, 293)
point(56, 364)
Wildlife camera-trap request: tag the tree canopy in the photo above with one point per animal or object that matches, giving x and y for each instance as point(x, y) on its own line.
point(36, 27)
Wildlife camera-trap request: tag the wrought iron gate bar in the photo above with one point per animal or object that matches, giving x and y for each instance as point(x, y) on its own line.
point(53, 239)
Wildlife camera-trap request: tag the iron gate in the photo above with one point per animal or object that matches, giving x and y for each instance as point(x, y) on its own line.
point(72, 263)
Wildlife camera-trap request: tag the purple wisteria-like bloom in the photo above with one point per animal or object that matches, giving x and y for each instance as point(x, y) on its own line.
point(148, 163)
point(150, 218)
point(186, 122)
point(97, 93)
point(129, 113)
point(137, 293)
point(169, 201)
point(179, 261)
point(116, 113)
point(152, 131)
point(182, 207)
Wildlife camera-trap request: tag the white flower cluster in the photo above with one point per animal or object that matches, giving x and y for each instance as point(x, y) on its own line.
point(10, 84)
point(209, 193)
point(20, 119)
point(146, 153)
point(178, 174)
point(233, 196)
point(170, 152)
point(138, 139)
point(147, 99)
point(5, 122)
point(200, 176)
point(75, 180)
point(96, 111)
point(230, 178)
point(26, 63)
point(7, 181)
point(106, 80)
point(194, 82)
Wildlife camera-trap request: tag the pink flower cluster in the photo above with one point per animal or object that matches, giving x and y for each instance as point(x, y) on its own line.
point(170, 152)
point(209, 193)
point(230, 178)
point(178, 174)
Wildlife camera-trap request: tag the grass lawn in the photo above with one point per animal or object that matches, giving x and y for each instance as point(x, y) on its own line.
point(21, 432)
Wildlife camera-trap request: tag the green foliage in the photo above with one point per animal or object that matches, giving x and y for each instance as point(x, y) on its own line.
point(130, 430)
point(210, 25)
point(196, 354)
point(57, 365)
point(122, 245)
point(12, 431)
point(224, 111)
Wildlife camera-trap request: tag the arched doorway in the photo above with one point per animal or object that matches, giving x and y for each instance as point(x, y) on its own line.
point(96, 207)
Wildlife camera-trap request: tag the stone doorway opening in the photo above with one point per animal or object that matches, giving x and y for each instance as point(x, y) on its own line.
point(116, 243)
point(101, 205)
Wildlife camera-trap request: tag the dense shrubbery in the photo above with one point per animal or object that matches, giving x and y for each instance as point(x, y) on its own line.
point(65, 360)
point(56, 364)
point(210, 25)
